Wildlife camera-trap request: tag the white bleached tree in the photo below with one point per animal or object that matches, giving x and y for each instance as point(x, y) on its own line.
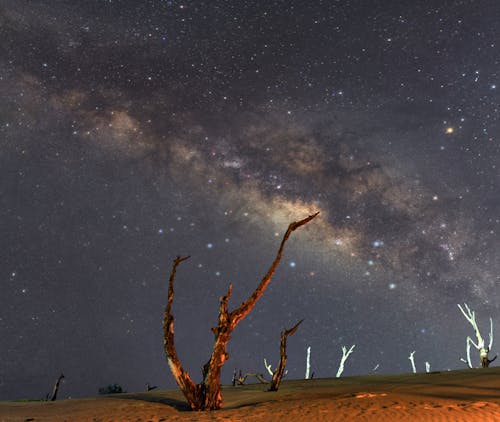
point(470, 316)
point(308, 364)
point(345, 355)
point(412, 360)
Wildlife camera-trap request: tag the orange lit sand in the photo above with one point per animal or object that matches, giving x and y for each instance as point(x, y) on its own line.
point(467, 395)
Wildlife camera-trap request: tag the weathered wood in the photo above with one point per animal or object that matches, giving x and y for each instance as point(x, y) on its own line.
point(280, 370)
point(240, 379)
point(207, 394)
point(240, 313)
point(190, 390)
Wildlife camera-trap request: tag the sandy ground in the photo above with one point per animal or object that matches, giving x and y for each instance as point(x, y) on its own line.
point(467, 395)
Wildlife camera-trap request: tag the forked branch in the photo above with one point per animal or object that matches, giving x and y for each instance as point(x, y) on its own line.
point(345, 355)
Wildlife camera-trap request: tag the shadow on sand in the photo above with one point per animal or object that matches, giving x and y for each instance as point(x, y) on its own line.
point(180, 405)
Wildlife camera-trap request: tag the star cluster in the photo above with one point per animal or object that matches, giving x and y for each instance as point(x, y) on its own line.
point(132, 132)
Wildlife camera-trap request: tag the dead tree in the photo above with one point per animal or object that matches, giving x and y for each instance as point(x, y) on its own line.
point(308, 364)
point(207, 394)
point(56, 388)
point(280, 370)
point(412, 360)
point(345, 355)
point(480, 346)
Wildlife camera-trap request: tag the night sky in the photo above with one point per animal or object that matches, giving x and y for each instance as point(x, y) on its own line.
point(135, 131)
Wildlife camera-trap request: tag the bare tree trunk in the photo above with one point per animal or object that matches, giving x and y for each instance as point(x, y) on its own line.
point(207, 394)
point(280, 370)
point(56, 388)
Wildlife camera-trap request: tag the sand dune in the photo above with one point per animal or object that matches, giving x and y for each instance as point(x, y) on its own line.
point(465, 395)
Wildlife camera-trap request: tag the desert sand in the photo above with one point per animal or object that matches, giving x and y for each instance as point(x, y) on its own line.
point(465, 395)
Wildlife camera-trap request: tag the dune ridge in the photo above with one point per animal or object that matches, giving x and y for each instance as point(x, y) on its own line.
point(464, 395)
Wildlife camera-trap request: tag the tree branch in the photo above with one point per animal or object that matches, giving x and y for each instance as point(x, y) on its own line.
point(238, 314)
point(224, 316)
point(471, 317)
point(181, 377)
point(293, 329)
point(171, 280)
point(268, 367)
point(468, 361)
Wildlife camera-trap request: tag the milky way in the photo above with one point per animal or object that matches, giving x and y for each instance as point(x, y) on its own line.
point(132, 132)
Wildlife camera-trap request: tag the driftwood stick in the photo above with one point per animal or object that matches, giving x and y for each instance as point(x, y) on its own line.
point(240, 379)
